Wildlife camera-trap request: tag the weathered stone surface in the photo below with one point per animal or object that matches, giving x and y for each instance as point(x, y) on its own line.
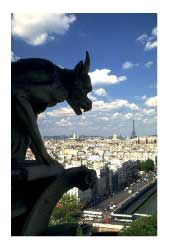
point(33, 199)
point(36, 85)
point(38, 185)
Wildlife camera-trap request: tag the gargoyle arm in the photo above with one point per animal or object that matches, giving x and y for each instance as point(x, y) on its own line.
point(35, 152)
point(28, 118)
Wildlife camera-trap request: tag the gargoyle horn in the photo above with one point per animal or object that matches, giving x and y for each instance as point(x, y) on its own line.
point(86, 65)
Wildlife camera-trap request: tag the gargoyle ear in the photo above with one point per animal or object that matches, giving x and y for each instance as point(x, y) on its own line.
point(86, 66)
point(79, 68)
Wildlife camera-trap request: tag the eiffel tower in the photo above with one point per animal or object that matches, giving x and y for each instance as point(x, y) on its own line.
point(133, 135)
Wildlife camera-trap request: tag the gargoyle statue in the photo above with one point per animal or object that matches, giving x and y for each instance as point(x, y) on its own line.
point(36, 85)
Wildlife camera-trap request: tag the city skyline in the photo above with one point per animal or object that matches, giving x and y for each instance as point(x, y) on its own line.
point(123, 68)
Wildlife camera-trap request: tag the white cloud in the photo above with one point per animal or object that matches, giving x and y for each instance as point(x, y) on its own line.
point(104, 118)
point(103, 115)
point(148, 111)
point(63, 123)
point(149, 64)
point(104, 77)
point(117, 115)
point(91, 97)
point(149, 42)
point(100, 105)
point(144, 97)
point(41, 116)
point(150, 120)
point(154, 31)
point(128, 65)
point(36, 29)
point(100, 120)
point(144, 113)
point(64, 111)
point(14, 57)
point(128, 115)
point(150, 45)
point(132, 106)
point(138, 115)
point(142, 38)
point(151, 102)
point(100, 92)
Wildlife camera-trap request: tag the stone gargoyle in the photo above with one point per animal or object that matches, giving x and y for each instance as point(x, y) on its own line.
point(36, 85)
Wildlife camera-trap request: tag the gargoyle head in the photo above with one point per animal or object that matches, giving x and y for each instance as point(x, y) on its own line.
point(81, 86)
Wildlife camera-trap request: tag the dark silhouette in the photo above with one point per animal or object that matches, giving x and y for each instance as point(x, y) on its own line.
point(36, 85)
point(37, 185)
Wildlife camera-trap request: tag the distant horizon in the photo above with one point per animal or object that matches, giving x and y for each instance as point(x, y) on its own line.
point(81, 135)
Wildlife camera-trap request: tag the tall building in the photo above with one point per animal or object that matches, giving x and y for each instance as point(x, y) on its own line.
point(133, 134)
point(74, 136)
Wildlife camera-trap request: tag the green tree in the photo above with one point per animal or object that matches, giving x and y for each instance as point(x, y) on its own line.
point(145, 226)
point(149, 164)
point(79, 231)
point(68, 210)
point(146, 165)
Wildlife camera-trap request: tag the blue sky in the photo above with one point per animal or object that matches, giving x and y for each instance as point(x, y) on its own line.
point(123, 52)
